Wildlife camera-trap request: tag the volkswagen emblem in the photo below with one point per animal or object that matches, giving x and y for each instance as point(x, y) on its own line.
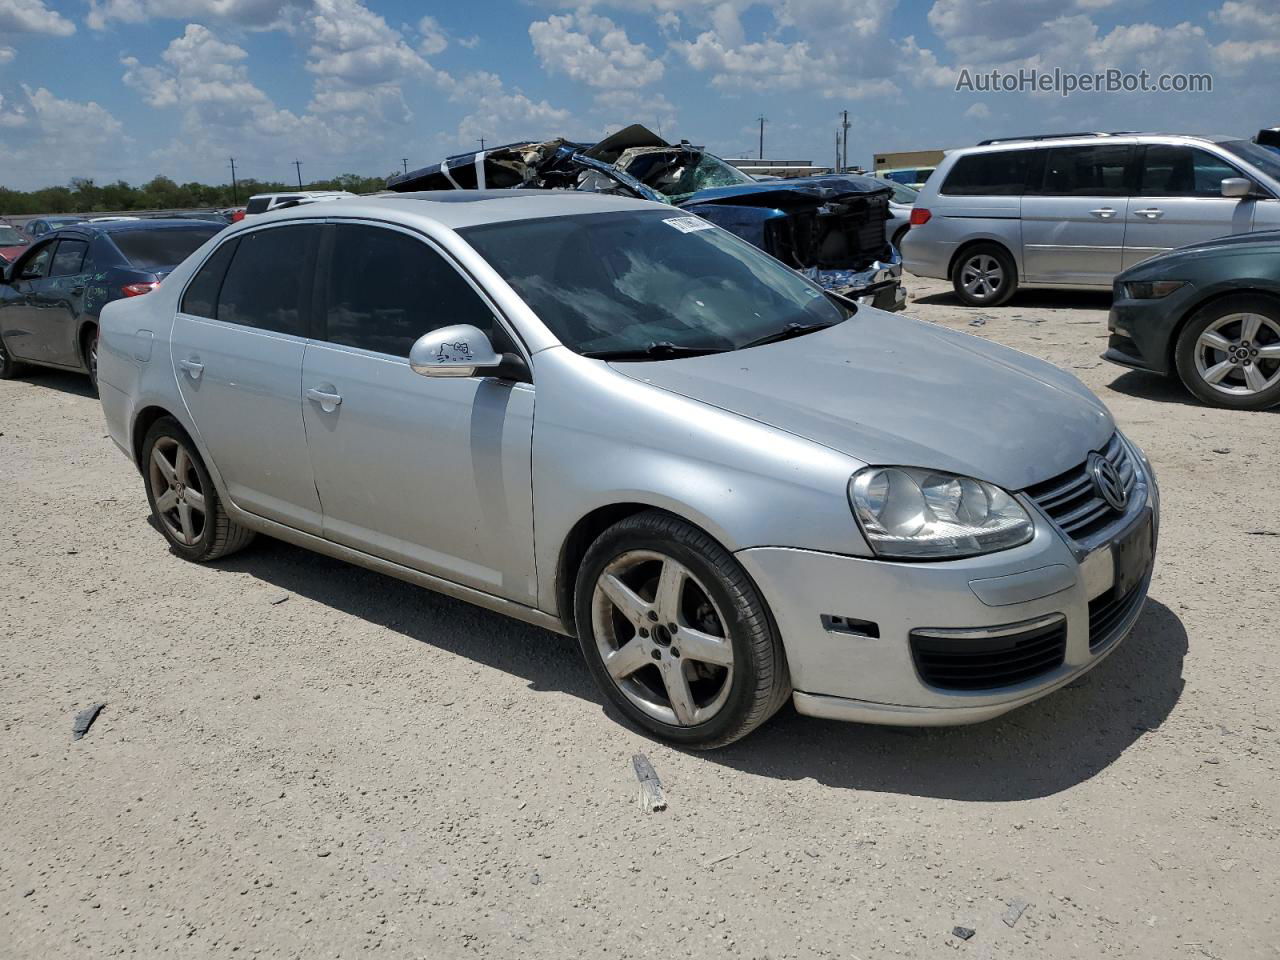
point(1107, 479)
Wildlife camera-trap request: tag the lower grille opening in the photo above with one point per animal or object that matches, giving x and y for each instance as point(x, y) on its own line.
point(984, 663)
point(1107, 612)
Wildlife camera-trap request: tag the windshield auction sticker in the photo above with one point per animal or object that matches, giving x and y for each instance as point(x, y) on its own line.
point(689, 224)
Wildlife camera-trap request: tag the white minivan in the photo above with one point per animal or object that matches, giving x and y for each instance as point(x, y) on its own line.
point(1073, 211)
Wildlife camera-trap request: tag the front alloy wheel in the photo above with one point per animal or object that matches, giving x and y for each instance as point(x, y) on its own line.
point(1228, 354)
point(676, 634)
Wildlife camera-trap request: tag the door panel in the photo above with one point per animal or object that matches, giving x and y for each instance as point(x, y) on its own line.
point(1073, 225)
point(60, 299)
point(430, 473)
point(20, 318)
point(242, 388)
point(1178, 200)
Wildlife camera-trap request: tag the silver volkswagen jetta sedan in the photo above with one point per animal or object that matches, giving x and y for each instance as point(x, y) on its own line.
point(625, 424)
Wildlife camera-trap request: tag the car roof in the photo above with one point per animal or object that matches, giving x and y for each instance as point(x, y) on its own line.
point(1069, 140)
point(459, 208)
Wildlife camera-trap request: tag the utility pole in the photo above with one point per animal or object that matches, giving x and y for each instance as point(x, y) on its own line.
point(405, 161)
point(837, 166)
point(844, 165)
point(297, 165)
point(761, 118)
point(235, 190)
point(480, 141)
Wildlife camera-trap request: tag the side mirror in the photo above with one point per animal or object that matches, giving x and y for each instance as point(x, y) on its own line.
point(457, 351)
point(1237, 187)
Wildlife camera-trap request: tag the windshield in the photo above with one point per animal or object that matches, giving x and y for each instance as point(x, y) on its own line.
point(10, 237)
point(1260, 157)
point(678, 174)
point(164, 248)
point(617, 282)
point(904, 194)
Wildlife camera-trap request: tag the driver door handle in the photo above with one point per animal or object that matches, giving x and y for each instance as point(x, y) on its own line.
point(1151, 213)
point(192, 368)
point(1104, 213)
point(324, 398)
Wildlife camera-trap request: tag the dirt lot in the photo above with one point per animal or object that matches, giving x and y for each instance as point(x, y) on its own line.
point(366, 767)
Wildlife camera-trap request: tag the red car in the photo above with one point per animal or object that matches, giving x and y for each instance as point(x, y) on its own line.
point(12, 242)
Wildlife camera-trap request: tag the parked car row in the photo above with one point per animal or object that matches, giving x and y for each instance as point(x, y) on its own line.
point(735, 488)
point(1099, 211)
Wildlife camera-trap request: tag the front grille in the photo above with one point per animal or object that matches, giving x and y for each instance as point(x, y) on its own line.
point(1072, 501)
point(984, 663)
point(1108, 611)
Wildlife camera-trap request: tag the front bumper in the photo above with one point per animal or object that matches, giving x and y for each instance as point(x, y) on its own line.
point(879, 285)
point(1141, 331)
point(847, 623)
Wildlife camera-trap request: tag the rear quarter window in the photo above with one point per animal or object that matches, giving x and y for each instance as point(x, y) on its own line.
point(257, 205)
point(992, 174)
point(161, 249)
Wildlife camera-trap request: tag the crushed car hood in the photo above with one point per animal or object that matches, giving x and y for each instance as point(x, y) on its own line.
point(890, 390)
point(785, 193)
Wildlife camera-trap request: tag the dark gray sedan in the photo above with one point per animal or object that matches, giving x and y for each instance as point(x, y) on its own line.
point(1210, 313)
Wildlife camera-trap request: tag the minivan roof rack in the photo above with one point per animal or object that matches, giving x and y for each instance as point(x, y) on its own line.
point(1048, 136)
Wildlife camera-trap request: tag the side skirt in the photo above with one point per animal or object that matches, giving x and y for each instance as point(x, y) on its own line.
point(307, 541)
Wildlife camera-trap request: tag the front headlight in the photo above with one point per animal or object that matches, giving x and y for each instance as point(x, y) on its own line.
point(914, 514)
point(1150, 289)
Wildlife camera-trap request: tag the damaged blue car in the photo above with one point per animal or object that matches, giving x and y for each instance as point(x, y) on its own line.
point(830, 228)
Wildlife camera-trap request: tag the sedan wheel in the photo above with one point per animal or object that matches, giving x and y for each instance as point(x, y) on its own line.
point(676, 634)
point(1228, 353)
point(662, 638)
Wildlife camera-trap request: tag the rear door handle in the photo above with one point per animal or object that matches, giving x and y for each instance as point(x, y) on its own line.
point(192, 368)
point(1151, 213)
point(76, 291)
point(328, 401)
point(1104, 213)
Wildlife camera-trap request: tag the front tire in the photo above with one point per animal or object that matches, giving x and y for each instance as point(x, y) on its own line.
point(984, 276)
point(1228, 353)
point(676, 634)
point(9, 367)
point(183, 499)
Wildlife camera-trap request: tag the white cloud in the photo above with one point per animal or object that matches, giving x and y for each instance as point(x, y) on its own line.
point(1257, 41)
point(53, 139)
point(32, 16)
point(433, 37)
point(7, 54)
point(254, 14)
point(979, 111)
point(593, 50)
point(620, 108)
point(500, 115)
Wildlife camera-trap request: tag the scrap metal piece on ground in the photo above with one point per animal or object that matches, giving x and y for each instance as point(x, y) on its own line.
point(651, 798)
point(1016, 908)
point(964, 933)
point(84, 720)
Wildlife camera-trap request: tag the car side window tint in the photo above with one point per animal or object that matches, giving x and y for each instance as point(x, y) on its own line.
point(1098, 170)
point(386, 289)
point(1169, 171)
point(201, 296)
point(991, 174)
point(268, 283)
point(68, 260)
point(37, 264)
point(1209, 172)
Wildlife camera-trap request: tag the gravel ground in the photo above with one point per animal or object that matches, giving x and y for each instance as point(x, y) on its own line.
point(302, 759)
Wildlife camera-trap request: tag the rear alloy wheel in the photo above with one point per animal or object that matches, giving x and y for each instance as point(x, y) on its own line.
point(984, 276)
point(1228, 354)
point(183, 500)
point(676, 634)
point(9, 367)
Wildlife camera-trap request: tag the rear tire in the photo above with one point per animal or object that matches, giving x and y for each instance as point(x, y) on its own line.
point(89, 353)
point(984, 275)
point(1228, 353)
point(675, 633)
point(9, 367)
point(184, 501)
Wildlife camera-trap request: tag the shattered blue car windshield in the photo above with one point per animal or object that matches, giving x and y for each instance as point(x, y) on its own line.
point(683, 179)
point(616, 282)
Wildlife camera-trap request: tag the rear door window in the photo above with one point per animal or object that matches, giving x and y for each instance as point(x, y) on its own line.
point(386, 289)
point(201, 296)
point(69, 260)
point(163, 249)
point(268, 283)
point(992, 174)
point(1097, 170)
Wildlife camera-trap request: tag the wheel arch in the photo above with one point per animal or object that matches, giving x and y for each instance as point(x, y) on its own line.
point(143, 421)
point(969, 244)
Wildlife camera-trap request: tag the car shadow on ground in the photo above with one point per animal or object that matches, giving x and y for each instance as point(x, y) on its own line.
point(63, 381)
point(1028, 299)
point(1152, 386)
point(1036, 751)
point(1039, 750)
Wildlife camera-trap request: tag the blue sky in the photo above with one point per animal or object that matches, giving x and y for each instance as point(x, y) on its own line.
point(130, 88)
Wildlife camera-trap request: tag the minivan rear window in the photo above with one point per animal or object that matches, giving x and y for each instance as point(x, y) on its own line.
point(162, 249)
point(991, 174)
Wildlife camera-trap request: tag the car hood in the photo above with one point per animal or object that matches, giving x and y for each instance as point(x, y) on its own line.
point(784, 193)
point(891, 390)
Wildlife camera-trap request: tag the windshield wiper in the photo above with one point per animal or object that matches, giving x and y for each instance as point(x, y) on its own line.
point(786, 333)
point(654, 351)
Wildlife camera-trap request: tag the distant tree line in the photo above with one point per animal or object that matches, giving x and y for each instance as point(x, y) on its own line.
point(83, 195)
